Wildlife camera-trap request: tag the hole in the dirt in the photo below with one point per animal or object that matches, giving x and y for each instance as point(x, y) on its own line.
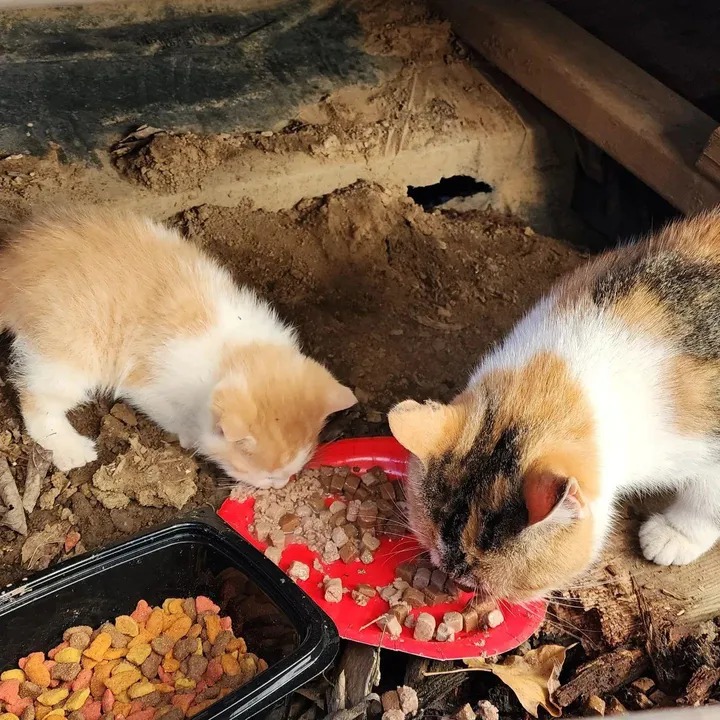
point(458, 186)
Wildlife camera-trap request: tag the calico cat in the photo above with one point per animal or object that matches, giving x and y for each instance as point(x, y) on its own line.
point(609, 386)
point(108, 302)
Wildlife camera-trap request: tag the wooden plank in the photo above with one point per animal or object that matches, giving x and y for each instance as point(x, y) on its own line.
point(646, 127)
point(709, 161)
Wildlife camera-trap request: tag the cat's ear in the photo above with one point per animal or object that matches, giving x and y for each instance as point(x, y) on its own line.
point(550, 497)
point(230, 424)
point(338, 397)
point(424, 430)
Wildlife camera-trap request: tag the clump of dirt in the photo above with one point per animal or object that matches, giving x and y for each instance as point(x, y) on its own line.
point(397, 301)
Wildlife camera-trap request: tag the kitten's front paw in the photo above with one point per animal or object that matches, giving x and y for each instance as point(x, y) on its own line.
point(73, 452)
point(664, 544)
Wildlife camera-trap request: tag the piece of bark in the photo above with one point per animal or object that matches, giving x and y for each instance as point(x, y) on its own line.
point(606, 674)
point(701, 684)
point(14, 516)
point(361, 666)
point(39, 462)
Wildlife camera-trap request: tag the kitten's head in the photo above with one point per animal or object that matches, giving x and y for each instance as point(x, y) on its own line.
point(501, 479)
point(267, 412)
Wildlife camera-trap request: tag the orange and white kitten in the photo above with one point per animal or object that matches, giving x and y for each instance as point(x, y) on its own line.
point(101, 301)
point(609, 386)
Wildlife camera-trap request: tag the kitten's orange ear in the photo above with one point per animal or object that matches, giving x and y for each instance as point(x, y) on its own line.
point(426, 429)
point(339, 397)
point(549, 496)
point(227, 414)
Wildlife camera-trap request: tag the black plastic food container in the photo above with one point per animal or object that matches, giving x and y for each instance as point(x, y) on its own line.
point(195, 555)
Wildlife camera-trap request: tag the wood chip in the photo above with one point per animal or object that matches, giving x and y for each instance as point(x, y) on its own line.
point(14, 515)
point(39, 462)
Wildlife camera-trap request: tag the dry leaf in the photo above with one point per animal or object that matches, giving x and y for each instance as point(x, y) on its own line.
point(533, 677)
point(39, 462)
point(14, 516)
point(43, 546)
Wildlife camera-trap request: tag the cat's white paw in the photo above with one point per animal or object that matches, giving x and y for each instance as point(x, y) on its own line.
point(663, 544)
point(73, 451)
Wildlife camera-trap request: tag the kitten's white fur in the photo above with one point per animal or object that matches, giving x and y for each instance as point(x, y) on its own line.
point(622, 372)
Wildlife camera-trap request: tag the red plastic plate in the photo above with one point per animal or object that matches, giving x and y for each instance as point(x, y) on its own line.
point(361, 454)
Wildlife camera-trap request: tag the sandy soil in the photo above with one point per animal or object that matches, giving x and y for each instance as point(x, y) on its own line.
point(397, 301)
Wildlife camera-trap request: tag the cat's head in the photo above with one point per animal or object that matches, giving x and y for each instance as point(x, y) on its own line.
point(501, 481)
point(267, 411)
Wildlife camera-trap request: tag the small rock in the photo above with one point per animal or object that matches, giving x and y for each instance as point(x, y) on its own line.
point(465, 713)
point(487, 711)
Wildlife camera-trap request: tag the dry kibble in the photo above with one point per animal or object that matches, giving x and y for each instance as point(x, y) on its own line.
point(370, 542)
point(333, 590)
point(470, 620)
point(421, 579)
point(424, 627)
point(465, 713)
point(454, 620)
point(277, 539)
point(273, 554)
point(444, 633)
point(164, 656)
point(349, 552)
point(339, 537)
point(299, 571)
point(289, 522)
point(389, 623)
point(494, 618)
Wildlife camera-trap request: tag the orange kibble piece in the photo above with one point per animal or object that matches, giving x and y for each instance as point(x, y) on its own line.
point(212, 625)
point(36, 671)
point(122, 681)
point(108, 700)
point(175, 607)
point(170, 664)
point(183, 701)
point(87, 663)
point(164, 688)
point(180, 627)
point(142, 638)
point(199, 707)
point(121, 708)
point(154, 624)
point(98, 647)
point(41, 712)
point(92, 710)
point(230, 665)
point(142, 714)
point(115, 653)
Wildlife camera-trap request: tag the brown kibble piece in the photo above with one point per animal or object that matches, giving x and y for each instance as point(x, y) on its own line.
point(75, 629)
point(422, 578)
point(337, 482)
point(401, 611)
point(221, 642)
point(437, 580)
point(28, 713)
point(349, 552)
point(79, 640)
point(406, 571)
point(367, 515)
point(387, 491)
point(352, 483)
point(162, 644)
point(149, 668)
point(197, 665)
point(370, 542)
point(184, 647)
point(424, 627)
point(189, 608)
point(173, 714)
point(351, 531)
point(289, 522)
point(435, 597)
point(470, 620)
point(31, 690)
point(66, 672)
point(414, 598)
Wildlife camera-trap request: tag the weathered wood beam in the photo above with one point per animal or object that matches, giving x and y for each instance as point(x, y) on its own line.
point(642, 124)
